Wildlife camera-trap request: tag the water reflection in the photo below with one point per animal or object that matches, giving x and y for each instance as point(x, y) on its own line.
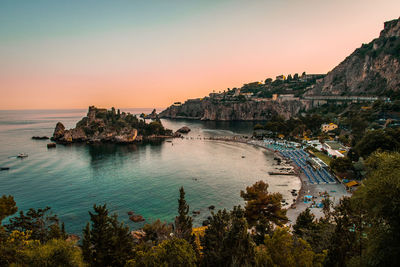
point(103, 152)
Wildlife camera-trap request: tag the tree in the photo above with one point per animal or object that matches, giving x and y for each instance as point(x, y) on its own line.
point(260, 203)
point(174, 252)
point(305, 221)
point(226, 241)
point(183, 222)
point(20, 250)
point(263, 227)
point(240, 247)
point(56, 252)
point(385, 140)
point(42, 222)
point(157, 231)
point(380, 197)
point(12, 246)
point(284, 249)
point(358, 126)
point(7, 207)
point(213, 241)
point(346, 242)
point(106, 242)
point(353, 155)
point(340, 165)
point(326, 207)
point(268, 81)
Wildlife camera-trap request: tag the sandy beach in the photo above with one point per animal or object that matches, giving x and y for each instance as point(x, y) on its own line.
point(335, 191)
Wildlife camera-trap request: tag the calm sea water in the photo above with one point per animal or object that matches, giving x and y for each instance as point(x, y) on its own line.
point(140, 178)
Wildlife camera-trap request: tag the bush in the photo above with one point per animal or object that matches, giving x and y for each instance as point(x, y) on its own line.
point(174, 252)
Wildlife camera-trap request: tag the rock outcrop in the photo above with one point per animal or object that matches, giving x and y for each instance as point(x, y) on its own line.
point(372, 69)
point(101, 125)
point(40, 137)
point(183, 130)
point(249, 110)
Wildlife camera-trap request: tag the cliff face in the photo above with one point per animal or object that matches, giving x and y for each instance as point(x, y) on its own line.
point(99, 125)
point(372, 69)
point(208, 109)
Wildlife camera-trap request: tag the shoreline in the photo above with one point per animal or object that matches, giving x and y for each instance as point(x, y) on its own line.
point(297, 174)
point(335, 191)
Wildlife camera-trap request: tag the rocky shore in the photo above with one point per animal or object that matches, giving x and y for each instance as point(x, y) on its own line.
point(110, 126)
point(250, 110)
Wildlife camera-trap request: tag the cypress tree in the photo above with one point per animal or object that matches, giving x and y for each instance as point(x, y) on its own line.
point(106, 242)
point(226, 241)
point(183, 222)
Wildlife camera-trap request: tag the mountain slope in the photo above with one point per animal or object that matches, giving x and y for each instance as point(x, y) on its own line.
point(372, 69)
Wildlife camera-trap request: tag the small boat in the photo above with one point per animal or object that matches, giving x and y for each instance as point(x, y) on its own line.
point(4, 168)
point(22, 155)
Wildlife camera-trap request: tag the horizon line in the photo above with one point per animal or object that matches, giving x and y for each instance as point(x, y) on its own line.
point(38, 109)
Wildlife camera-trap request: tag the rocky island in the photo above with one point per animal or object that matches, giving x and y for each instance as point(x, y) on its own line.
point(110, 126)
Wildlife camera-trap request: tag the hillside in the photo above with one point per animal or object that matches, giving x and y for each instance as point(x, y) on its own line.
point(372, 69)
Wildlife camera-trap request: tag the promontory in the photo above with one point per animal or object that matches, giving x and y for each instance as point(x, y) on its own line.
point(110, 126)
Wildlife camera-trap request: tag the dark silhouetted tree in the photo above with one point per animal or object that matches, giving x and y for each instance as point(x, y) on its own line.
point(106, 242)
point(183, 222)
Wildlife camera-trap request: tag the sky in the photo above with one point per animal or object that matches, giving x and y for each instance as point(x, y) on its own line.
point(133, 54)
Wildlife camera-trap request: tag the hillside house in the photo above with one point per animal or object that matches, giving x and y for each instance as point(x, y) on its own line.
point(326, 127)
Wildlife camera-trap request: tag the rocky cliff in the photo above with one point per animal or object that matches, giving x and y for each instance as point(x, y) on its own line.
point(372, 69)
point(249, 110)
point(101, 125)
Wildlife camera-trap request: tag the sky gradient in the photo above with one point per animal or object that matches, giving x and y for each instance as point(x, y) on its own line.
point(135, 54)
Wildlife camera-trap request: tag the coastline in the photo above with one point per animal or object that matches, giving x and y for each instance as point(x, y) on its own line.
point(335, 191)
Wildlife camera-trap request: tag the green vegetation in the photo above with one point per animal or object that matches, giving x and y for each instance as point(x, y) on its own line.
point(102, 120)
point(365, 128)
point(292, 85)
point(260, 204)
point(325, 158)
point(183, 222)
point(363, 230)
point(106, 242)
point(294, 128)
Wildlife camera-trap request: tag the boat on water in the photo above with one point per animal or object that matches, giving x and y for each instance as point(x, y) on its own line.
point(282, 173)
point(22, 155)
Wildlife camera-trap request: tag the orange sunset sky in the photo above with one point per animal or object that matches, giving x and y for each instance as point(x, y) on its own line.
point(135, 54)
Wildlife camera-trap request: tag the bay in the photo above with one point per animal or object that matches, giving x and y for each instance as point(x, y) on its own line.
point(141, 178)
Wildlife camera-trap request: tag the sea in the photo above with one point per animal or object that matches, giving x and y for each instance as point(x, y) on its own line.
point(143, 178)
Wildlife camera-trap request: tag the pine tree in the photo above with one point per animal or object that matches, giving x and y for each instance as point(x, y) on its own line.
point(226, 241)
point(305, 221)
point(183, 222)
point(7, 207)
point(106, 242)
point(261, 204)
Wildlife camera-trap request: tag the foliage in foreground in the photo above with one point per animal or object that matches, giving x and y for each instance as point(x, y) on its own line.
point(363, 230)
